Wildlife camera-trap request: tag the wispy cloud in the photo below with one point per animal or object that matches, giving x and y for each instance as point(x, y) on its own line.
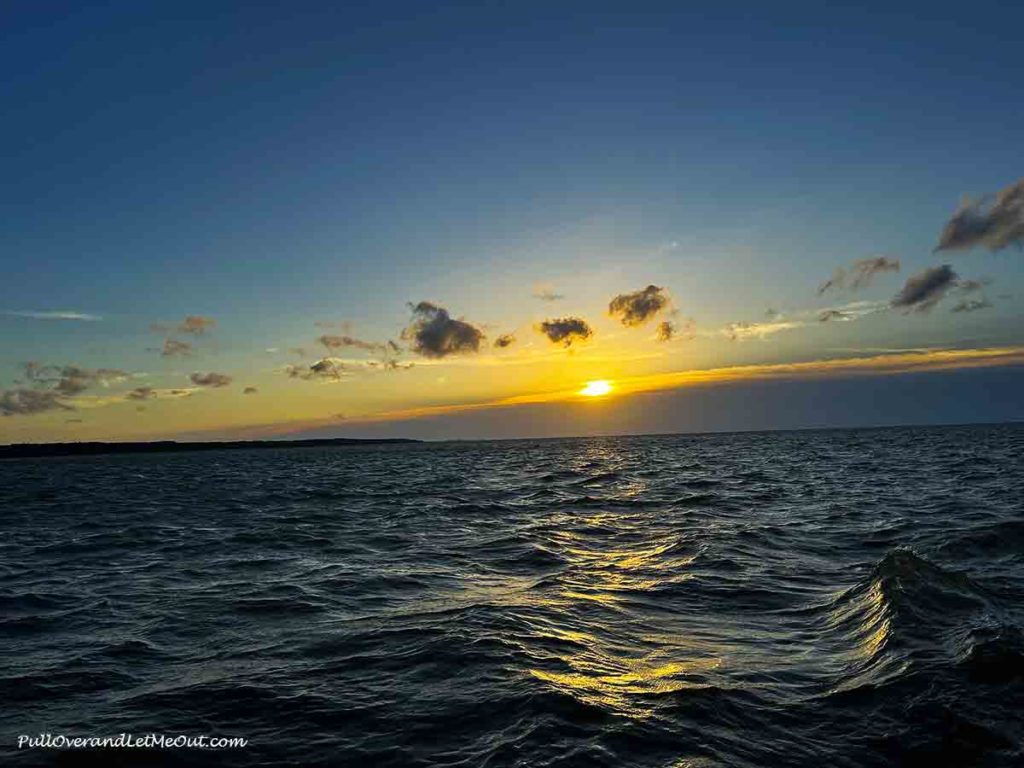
point(859, 274)
point(546, 292)
point(175, 347)
point(672, 329)
point(54, 387)
point(25, 402)
point(52, 315)
point(875, 365)
point(327, 368)
point(331, 341)
point(971, 305)
point(741, 331)
point(197, 325)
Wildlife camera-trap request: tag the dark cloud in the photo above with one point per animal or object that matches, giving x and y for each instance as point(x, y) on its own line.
point(25, 402)
point(250, 391)
point(827, 315)
point(859, 274)
point(505, 340)
point(197, 325)
point(341, 342)
point(637, 308)
point(771, 314)
point(174, 347)
point(210, 379)
point(566, 330)
point(995, 222)
point(971, 305)
point(924, 290)
point(666, 330)
point(141, 393)
point(435, 333)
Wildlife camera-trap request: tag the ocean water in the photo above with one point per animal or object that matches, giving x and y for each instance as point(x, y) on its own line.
point(825, 598)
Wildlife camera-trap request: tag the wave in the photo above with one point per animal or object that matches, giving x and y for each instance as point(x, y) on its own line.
point(907, 614)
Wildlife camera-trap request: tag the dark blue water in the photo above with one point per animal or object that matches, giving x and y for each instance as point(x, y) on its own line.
point(834, 598)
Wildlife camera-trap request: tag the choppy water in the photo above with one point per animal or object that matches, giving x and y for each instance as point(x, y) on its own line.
point(839, 598)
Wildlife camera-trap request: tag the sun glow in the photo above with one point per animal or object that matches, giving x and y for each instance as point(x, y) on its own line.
point(596, 388)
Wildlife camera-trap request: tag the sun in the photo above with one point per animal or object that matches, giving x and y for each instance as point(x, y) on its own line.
point(596, 388)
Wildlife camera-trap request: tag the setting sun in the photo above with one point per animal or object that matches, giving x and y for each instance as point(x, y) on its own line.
point(596, 388)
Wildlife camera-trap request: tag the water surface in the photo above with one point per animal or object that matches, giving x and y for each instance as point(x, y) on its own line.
point(840, 598)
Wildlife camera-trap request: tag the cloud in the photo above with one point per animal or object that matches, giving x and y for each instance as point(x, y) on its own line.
point(50, 385)
point(546, 292)
point(25, 402)
point(141, 393)
point(174, 347)
point(53, 315)
point(325, 368)
point(669, 329)
point(637, 308)
point(828, 315)
point(197, 325)
point(970, 286)
point(340, 342)
point(860, 274)
point(995, 222)
point(971, 305)
point(924, 290)
point(250, 391)
point(505, 340)
point(69, 380)
point(434, 333)
point(771, 314)
point(210, 379)
point(566, 330)
point(741, 331)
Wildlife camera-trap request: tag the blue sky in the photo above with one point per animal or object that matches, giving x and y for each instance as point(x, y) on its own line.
point(275, 166)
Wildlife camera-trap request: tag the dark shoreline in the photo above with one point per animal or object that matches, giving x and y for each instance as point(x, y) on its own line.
point(43, 450)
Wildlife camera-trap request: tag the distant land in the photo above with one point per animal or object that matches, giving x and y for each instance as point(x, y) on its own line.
point(38, 450)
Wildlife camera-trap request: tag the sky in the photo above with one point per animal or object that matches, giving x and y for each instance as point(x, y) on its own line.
point(445, 220)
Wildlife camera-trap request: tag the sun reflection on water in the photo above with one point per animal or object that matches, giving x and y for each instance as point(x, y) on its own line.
point(620, 663)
